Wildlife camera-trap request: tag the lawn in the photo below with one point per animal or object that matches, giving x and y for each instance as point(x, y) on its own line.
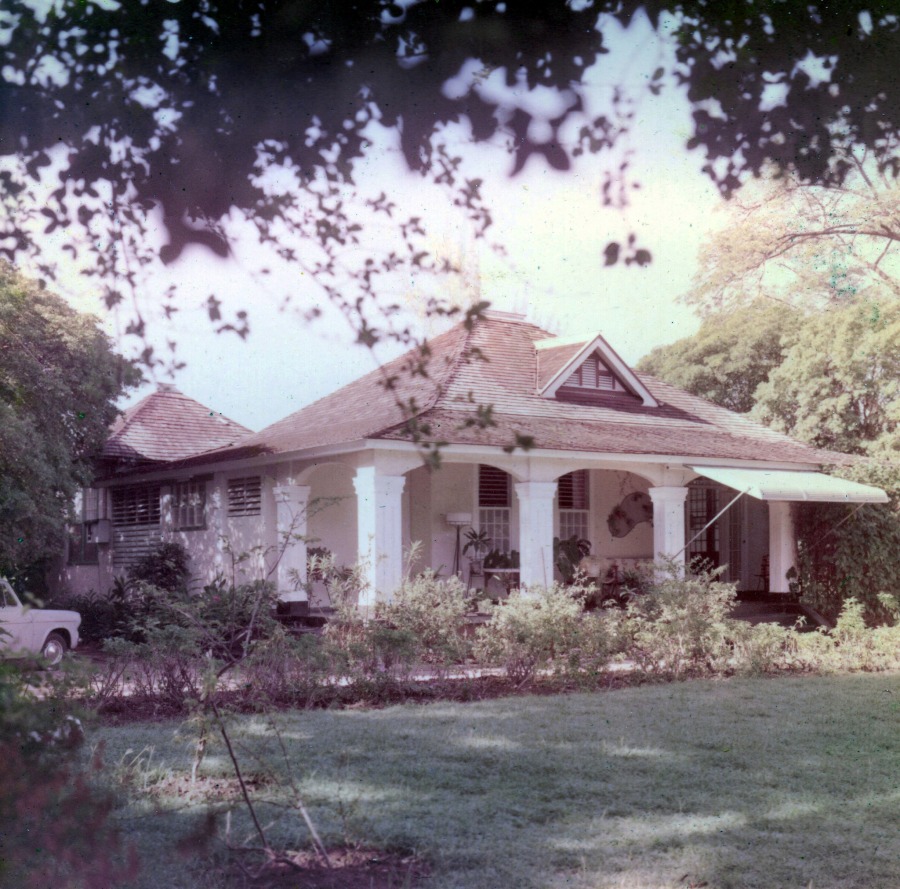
point(789, 782)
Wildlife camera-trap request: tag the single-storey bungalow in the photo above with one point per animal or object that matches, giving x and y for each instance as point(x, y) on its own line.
point(574, 443)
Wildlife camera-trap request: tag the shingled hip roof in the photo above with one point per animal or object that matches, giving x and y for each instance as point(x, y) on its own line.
point(495, 362)
point(167, 426)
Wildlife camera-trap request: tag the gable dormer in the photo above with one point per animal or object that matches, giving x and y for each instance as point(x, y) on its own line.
point(586, 371)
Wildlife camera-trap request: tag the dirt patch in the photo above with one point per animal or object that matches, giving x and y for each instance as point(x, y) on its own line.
point(350, 869)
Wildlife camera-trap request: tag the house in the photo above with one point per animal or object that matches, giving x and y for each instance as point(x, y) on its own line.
point(575, 443)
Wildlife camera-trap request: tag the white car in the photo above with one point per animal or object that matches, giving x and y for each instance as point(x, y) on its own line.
point(27, 632)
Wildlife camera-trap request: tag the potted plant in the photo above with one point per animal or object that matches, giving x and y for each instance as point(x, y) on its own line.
point(567, 554)
point(478, 543)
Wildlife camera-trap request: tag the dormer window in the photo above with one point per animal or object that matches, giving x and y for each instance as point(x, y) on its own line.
point(594, 374)
point(587, 370)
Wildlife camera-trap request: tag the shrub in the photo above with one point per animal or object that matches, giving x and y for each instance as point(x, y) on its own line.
point(859, 559)
point(101, 618)
point(291, 670)
point(374, 654)
point(681, 624)
point(54, 811)
point(532, 631)
point(760, 648)
point(433, 612)
point(164, 567)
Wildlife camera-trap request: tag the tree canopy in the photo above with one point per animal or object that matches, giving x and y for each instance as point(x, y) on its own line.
point(839, 384)
point(59, 382)
point(186, 115)
point(805, 244)
point(829, 378)
point(730, 356)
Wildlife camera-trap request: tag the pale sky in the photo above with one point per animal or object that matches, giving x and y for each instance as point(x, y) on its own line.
point(552, 225)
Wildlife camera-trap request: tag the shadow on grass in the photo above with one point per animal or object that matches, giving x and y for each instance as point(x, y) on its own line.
point(741, 783)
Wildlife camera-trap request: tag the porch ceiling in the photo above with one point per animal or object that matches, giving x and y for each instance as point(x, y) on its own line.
point(785, 484)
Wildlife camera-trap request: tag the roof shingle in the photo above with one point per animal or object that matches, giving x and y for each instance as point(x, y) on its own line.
point(166, 426)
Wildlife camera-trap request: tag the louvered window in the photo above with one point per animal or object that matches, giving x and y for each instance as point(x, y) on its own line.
point(493, 506)
point(189, 505)
point(245, 496)
point(574, 505)
point(493, 486)
point(594, 374)
point(135, 505)
point(573, 490)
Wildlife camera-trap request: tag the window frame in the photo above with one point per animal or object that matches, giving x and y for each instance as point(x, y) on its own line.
point(494, 506)
point(188, 516)
point(151, 510)
point(573, 489)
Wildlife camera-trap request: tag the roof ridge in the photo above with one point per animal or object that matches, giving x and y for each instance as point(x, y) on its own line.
point(129, 419)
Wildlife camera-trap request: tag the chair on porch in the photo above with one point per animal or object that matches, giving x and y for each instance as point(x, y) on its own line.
point(762, 579)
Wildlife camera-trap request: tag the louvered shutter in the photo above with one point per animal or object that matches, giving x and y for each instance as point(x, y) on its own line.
point(493, 486)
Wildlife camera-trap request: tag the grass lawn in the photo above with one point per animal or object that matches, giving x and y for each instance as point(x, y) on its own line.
point(791, 782)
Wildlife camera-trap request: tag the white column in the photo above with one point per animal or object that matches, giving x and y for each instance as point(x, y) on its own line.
point(782, 545)
point(668, 522)
point(291, 505)
point(379, 533)
point(535, 532)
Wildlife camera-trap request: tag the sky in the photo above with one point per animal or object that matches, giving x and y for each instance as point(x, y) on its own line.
point(552, 227)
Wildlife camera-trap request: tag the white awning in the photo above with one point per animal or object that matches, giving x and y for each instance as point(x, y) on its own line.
point(784, 484)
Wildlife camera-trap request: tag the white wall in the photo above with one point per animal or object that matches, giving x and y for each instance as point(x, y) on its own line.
point(608, 489)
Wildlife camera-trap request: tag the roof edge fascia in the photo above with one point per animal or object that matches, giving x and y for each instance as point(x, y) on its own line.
point(685, 460)
point(610, 357)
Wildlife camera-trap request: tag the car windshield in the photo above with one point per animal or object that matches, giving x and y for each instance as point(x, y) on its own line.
point(7, 598)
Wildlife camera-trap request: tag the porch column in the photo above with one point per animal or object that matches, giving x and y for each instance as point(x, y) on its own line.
point(535, 532)
point(782, 545)
point(668, 522)
point(379, 533)
point(291, 504)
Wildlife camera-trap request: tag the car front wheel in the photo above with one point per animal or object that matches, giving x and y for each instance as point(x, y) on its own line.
point(53, 650)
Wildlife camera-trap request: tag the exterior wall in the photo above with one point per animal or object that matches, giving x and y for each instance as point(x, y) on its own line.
point(608, 489)
point(756, 530)
point(417, 512)
point(453, 488)
point(332, 518)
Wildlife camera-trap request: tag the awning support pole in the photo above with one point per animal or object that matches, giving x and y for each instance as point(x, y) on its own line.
point(712, 521)
point(831, 531)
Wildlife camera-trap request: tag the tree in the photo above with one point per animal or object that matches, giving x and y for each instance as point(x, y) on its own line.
point(187, 115)
point(59, 381)
point(731, 354)
point(839, 384)
point(805, 244)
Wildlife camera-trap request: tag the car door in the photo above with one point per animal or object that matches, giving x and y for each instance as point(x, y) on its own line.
point(16, 620)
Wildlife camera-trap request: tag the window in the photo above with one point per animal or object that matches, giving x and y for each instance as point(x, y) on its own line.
point(245, 496)
point(594, 374)
point(574, 505)
point(138, 505)
point(189, 505)
point(494, 506)
point(83, 534)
